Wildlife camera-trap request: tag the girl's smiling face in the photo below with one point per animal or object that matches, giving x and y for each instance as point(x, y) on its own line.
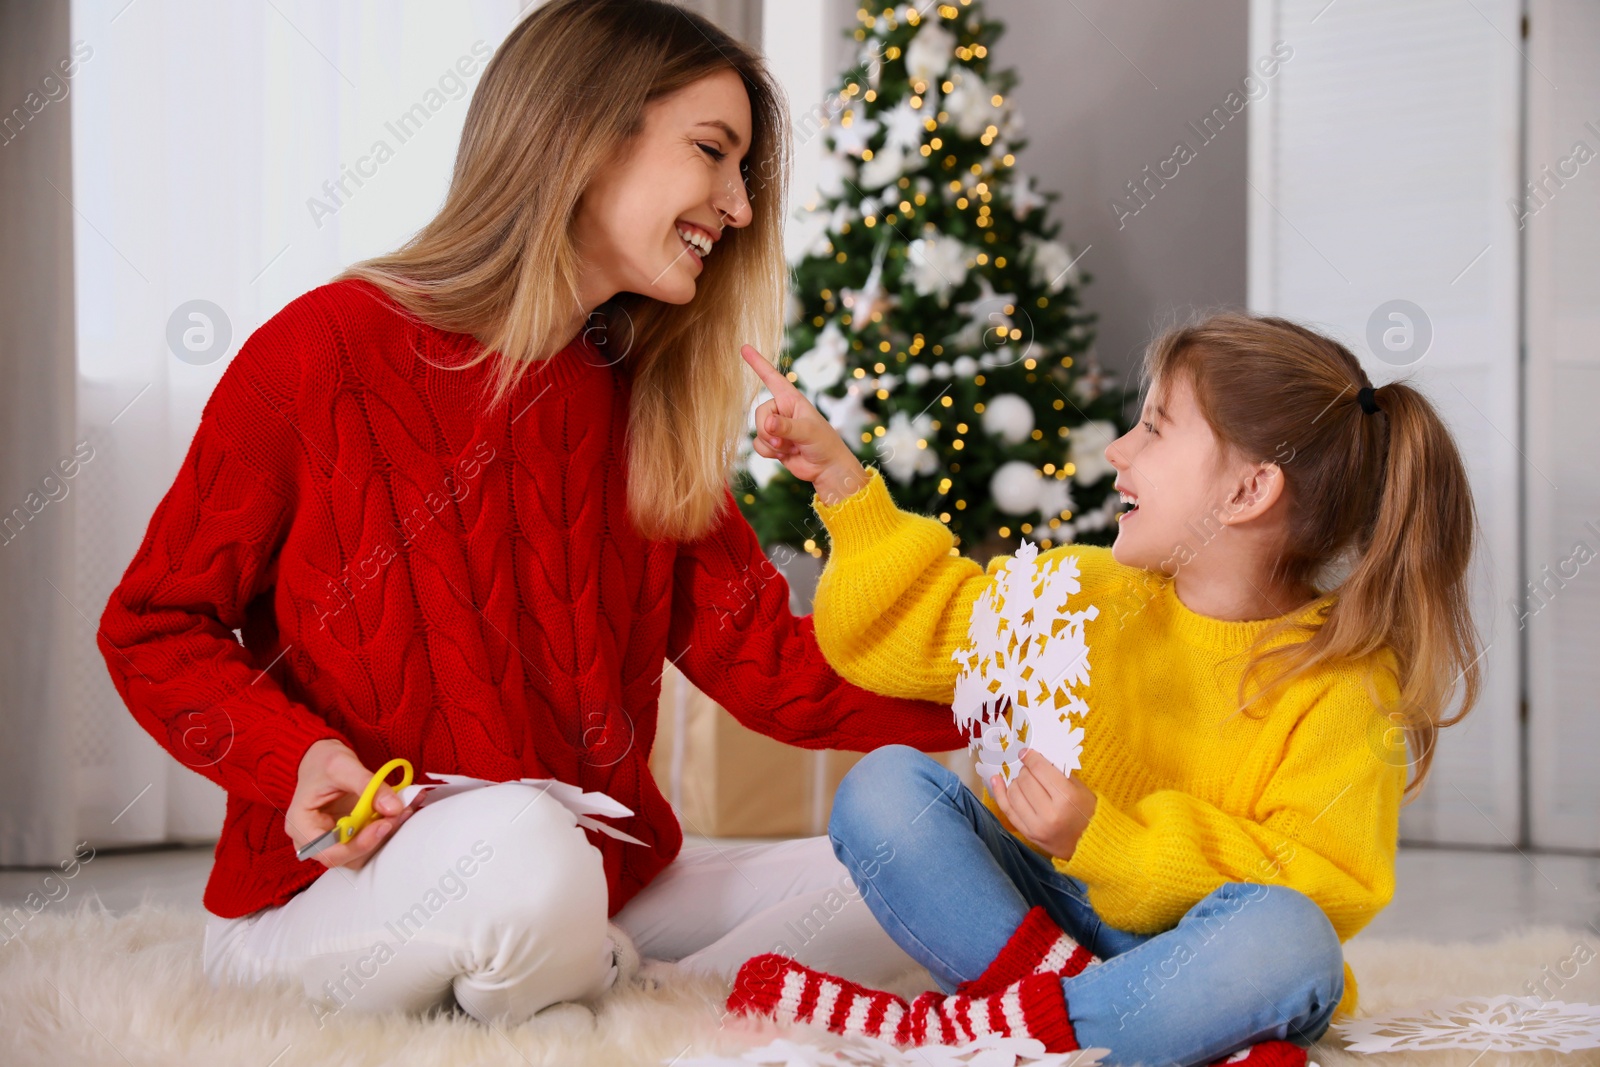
point(679, 175)
point(1171, 472)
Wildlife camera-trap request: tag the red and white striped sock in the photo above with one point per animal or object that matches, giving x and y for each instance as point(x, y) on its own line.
point(1267, 1054)
point(1032, 1007)
point(776, 986)
point(1038, 946)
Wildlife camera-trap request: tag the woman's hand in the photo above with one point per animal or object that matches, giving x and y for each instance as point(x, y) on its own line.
point(790, 429)
point(332, 779)
point(1045, 806)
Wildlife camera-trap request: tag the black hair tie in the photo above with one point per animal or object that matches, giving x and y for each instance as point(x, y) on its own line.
point(1367, 398)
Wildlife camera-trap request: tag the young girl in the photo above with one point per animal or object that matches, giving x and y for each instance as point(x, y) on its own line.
point(1184, 893)
point(490, 585)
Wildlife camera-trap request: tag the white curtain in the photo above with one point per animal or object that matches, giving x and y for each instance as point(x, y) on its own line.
point(224, 153)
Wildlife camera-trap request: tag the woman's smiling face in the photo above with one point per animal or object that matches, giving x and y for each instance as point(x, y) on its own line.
point(679, 175)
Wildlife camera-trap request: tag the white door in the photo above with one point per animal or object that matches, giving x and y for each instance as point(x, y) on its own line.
point(1382, 156)
point(1560, 600)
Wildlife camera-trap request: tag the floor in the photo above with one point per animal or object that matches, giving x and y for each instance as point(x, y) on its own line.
point(1441, 895)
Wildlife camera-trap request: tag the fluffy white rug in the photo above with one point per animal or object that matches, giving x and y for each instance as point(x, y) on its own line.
point(93, 988)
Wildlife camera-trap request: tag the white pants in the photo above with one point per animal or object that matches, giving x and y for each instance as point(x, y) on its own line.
point(496, 900)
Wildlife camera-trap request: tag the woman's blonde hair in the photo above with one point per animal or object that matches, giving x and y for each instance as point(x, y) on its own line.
point(1384, 496)
point(563, 95)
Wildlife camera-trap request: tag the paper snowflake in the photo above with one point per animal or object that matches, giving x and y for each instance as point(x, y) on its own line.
point(1494, 1024)
point(1022, 664)
point(582, 804)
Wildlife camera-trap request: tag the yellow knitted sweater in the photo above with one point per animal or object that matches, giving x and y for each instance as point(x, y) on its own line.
point(1189, 794)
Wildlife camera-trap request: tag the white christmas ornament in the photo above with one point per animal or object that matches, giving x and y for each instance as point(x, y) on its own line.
point(814, 235)
point(1023, 197)
point(1012, 125)
point(1008, 417)
point(823, 366)
point(917, 374)
point(843, 212)
point(985, 314)
point(886, 165)
point(941, 370)
point(906, 447)
point(762, 469)
point(964, 366)
point(1086, 451)
point(871, 59)
point(1053, 264)
point(1097, 519)
point(1024, 665)
point(807, 237)
point(851, 137)
point(904, 126)
point(1094, 380)
point(821, 245)
point(1055, 496)
point(970, 102)
point(939, 264)
point(929, 53)
point(871, 298)
point(1015, 487)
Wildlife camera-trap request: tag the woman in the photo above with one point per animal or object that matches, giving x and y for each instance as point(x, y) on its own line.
point(461, 505)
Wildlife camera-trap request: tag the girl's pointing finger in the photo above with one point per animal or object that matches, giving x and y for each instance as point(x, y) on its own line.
point(776, 382)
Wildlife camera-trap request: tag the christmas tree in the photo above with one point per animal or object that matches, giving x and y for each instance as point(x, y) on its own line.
point(936, 315)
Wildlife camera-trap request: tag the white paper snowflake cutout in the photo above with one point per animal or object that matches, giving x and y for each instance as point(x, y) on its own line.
point(1494, 1024)
point(1021, 666)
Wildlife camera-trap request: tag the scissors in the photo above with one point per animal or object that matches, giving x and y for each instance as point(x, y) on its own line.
point(350, 825)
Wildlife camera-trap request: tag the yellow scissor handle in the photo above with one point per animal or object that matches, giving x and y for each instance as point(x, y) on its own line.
point(352, 824)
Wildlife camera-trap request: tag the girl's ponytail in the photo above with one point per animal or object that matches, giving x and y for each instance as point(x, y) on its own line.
point(1408, 587)
point(1376, 490)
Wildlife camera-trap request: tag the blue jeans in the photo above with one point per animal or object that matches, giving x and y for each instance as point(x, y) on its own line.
point(1245, 964)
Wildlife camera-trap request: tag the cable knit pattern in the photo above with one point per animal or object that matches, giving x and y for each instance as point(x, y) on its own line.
point(415, 576)
point(1189, 794)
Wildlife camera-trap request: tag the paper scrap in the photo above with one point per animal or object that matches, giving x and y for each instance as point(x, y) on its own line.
point(1492, 1024)
point(1023, 662)
point(581, 804)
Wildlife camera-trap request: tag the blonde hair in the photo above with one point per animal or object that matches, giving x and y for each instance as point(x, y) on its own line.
point(1384, 495)
point(564, 92)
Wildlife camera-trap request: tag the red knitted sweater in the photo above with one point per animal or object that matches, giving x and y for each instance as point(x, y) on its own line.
point(417, 578)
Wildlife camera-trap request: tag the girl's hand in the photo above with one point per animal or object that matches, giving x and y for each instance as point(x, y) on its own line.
point(331, 781)
point(790, 429)
point(1045, 806)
